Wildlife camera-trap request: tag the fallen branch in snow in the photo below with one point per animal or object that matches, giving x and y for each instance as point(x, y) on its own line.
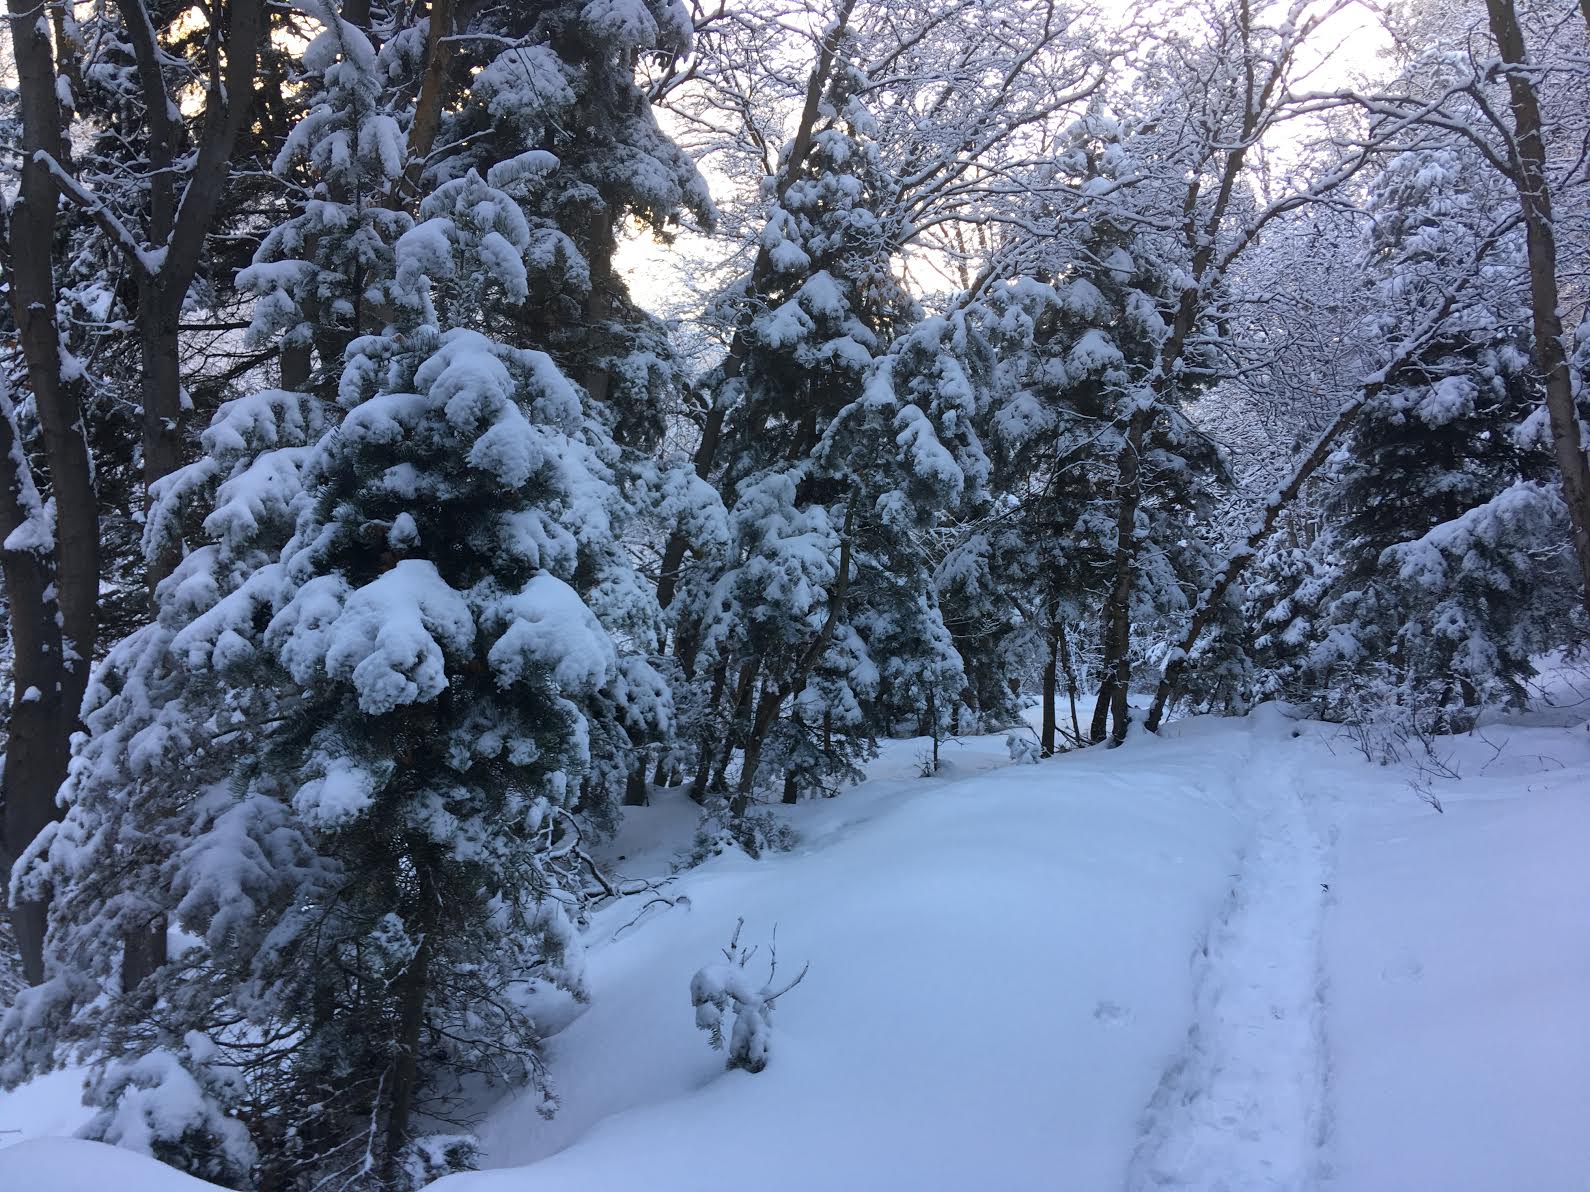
point(681, 900)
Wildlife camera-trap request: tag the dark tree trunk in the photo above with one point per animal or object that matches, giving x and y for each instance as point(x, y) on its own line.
point(635, 792)
point(1100, 724)
point(40, 722)
point(1071, 680)
point(1115, 628)
point(162, 398)
point(1050, 680)
point(411, 1021)
point(53, 658)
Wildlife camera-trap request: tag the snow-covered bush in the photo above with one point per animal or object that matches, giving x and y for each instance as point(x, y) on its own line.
point(753, 830)
point(1023, 749)
point(725, 995)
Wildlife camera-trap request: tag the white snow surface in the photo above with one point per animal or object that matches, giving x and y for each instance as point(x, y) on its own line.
point(1236, 957)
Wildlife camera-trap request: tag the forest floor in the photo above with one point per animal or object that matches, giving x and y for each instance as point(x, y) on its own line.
point(1238, 957)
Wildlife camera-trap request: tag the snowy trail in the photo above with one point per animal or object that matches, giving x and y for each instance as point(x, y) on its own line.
point(1243, 1108)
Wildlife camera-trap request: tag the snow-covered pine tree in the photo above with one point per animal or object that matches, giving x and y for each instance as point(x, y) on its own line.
point(1290, 580)
point(1449, 540)
point(851, 427)
point(347, 759)
point(149, 798)
point(322, 276)
point(556, 84)
point(560, 78)
point(1080, 342)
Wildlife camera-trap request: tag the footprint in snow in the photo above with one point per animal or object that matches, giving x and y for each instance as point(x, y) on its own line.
point(1406, 969)
point(1112, 1013)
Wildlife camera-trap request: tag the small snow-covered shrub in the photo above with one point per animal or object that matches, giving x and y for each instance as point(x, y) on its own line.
point(176, 1106)
point(1023, 750)
point(431, 1156)
point(753, 832)
point(725, 989)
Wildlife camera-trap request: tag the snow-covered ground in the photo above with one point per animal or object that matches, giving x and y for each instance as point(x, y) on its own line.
point(1235, 957)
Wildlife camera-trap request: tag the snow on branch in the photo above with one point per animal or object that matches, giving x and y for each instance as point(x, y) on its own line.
point(150, 261)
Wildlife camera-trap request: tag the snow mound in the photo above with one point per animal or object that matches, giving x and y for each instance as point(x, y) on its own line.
point(72, 1165)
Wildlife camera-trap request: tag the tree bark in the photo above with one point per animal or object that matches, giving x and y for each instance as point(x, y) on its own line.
point(635, 792)
point(57, 660)
point(411, 1021)
point(1050, 681)
point(40, 723)
point(1100, 725)
point(1116, 619)
point(1528, 151)
point(1071, 680)
point(428, 105)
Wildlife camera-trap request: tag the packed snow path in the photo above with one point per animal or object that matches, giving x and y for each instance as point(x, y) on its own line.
point(1243, 1106)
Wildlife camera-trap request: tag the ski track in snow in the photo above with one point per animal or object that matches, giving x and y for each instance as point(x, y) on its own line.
point(1243, 1107)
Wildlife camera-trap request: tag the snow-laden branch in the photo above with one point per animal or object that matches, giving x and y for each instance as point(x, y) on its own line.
point(145, 260)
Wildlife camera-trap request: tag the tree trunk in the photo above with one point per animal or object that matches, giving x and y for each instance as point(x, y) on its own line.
point(161, 391)
point(1116, 622)
point(411, 1022)
point(705, 743)
point(1071, 680)
point(162, 399)
point(53, 656)
point(1100, 724)
point(1050, 681)
point(429, 103)
point(1551, 350)
point(40, 723)
point(635, 792)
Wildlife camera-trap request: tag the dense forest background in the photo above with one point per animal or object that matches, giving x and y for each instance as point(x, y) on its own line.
point(426, 428)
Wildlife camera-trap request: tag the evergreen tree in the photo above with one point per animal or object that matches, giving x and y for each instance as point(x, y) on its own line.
point(323, 275)
point(349, 756)
point(850, 430)
point(556, 86)
point(1080, 344)
point(1447, 541)
point(565, 84)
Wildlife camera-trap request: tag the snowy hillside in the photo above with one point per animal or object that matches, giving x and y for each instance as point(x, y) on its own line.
point(1236, 957)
